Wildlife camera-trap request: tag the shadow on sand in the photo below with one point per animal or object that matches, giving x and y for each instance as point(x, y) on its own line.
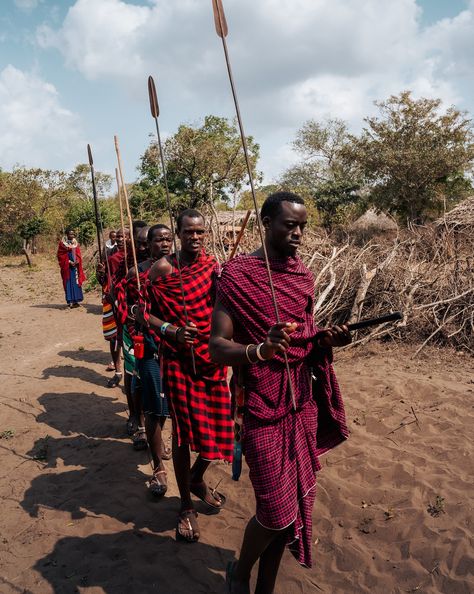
point(134, 561)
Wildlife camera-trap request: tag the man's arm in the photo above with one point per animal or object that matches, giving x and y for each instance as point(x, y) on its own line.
point(180, 334)
point(225, 351)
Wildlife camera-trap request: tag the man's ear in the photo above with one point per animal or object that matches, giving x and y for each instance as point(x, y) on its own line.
point(266, 222)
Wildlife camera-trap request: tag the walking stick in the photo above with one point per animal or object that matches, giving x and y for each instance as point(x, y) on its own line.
point(155, 112)
point(222, 31)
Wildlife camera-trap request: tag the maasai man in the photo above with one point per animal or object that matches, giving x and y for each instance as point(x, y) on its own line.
point(105, 275)
point(154, 405)
point(126, 294)
point(281, 444)
point(199, 402)
point(70, 263)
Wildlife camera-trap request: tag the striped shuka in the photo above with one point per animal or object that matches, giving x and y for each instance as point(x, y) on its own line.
point(199, 404)
point(282, 445)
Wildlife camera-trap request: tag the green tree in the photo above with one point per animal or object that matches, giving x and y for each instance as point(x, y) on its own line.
point(415, 156)
point(204, 165)
point(324, 175)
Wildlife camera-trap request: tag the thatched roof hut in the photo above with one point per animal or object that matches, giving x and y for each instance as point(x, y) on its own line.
point(228, 217)
point(374, 221)
point(460, 218)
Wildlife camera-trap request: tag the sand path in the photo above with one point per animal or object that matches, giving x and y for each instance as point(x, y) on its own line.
point(76, 516)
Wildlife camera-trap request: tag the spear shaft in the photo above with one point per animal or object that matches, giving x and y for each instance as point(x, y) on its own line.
point(122, 223)
point(127, 204)
point(222, 30)
point(155, 112)
point(94, 193)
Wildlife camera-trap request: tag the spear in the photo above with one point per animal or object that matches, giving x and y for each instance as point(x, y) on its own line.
point(222, 31)
point(122, 224)
point(155, 112)
point(96, 209)
point(127, 205)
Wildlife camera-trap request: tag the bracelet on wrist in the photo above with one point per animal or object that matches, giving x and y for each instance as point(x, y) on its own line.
point(163, 328)
point(133, 310)
point(247, 348)
point(260, 357)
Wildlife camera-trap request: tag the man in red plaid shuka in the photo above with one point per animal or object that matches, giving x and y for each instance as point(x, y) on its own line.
point(281, 442)
point(199, 399)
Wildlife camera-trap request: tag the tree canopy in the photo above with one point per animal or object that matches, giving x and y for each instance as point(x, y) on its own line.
point(324, 174)
point(415, 156)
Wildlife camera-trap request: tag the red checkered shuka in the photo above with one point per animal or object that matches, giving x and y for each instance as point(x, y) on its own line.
point(200, 404)
point(282, 445)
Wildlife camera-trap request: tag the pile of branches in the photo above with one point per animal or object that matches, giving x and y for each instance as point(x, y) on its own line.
point(425, 273)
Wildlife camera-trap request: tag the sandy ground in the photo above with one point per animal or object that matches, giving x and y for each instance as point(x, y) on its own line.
point(393, 512)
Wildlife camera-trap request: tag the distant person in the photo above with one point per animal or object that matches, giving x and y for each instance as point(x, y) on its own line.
point(70, 263)
point(111, 244)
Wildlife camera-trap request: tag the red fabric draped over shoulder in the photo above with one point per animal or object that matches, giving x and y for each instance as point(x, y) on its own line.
point(63, 259)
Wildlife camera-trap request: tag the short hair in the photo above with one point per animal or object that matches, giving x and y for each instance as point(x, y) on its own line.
point(272, 205)
point(191, 213)
point(68, 229)
point(137, 225)
point(153, 228)
point(112, 231)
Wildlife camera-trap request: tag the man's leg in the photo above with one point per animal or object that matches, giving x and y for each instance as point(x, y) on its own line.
point(256, 541)
point(187, 527)
point(158, 484)
point(270, 563)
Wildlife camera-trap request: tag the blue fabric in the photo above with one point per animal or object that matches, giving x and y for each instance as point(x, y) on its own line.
point(73, 290)
point(154, 402)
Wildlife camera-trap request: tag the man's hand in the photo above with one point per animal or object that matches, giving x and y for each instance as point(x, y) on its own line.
point(72, 263)
point(278, 339)
point(187, 334)
point(335, 336)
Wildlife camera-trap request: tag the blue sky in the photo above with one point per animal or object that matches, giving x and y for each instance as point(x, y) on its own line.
point(73, 72)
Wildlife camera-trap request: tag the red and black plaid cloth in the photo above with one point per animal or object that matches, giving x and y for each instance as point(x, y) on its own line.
point(282, 445)
point(200, 404)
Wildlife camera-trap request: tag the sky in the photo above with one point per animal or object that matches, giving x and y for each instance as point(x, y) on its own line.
point(75, 72)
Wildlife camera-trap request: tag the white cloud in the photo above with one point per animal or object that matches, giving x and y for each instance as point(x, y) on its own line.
point(35, 130)
point(292, 59)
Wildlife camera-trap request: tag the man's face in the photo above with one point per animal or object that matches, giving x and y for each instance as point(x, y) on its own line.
point(160, 244)
point(285, 230)
point(120, 240)
point(71, 235)
point(192, 235)
point(113, 236)
point(142, 244)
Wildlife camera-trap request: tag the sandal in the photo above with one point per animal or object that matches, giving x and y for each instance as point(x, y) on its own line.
point(110, 367)
point(166, 451)
point(139, 439)
point(157, 484)
point(187, 528)
point(114, 381)
point(131, 426)
point(210, 497)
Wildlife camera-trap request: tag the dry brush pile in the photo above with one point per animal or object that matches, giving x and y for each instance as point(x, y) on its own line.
point(426, 273)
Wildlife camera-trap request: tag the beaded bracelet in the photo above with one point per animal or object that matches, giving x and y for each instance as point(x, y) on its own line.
point(163, 328)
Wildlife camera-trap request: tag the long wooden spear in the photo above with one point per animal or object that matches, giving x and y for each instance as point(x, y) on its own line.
point(129, 214)
point(122, 224)
point(155, 112)
point(241, 234)
point(222, 31)
point(94, 193)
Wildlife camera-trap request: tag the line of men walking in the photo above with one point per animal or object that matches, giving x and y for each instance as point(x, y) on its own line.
point(191, 319)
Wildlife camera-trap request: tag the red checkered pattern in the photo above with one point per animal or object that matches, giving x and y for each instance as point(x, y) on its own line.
point(200, 404)
point(282, 445)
